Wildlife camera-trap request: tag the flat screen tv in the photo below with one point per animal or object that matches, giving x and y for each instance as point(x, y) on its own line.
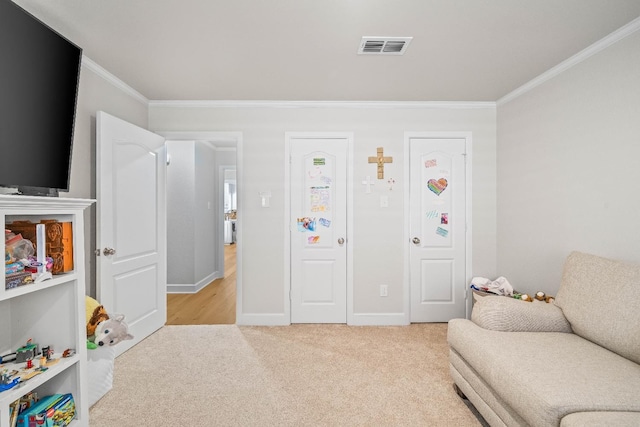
point(39, 75)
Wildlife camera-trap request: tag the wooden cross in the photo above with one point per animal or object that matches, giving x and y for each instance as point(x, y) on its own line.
point(380, 160)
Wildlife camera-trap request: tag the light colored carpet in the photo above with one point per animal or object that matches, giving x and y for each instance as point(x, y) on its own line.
point(299, 375)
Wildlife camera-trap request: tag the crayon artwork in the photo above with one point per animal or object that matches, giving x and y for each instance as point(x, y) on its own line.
point(437, 186)
point(442, 232)
point(432, 214)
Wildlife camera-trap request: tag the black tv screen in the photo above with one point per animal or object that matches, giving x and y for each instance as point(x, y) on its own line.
point(39, 74)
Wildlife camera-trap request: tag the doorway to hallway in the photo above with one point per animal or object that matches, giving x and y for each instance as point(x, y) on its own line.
point(215, 304)
point(208, 292)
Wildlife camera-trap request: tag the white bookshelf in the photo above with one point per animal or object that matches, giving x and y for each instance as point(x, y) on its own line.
point(51, 313)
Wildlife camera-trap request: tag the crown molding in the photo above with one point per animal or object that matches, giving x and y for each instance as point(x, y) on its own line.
point(584, 54)
point(219, 141)
point(323, 104)
point(97, 69)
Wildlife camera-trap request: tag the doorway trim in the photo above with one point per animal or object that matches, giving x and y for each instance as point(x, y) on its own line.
point(407, 214)
point(221, 140)
point(289, 136)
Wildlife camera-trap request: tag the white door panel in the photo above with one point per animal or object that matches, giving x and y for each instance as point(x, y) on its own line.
point(131, 171)
point(318, 230)
point(437, 278)
point(437, 229)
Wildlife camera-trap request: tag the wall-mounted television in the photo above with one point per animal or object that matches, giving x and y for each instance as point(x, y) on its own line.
point(39, 75)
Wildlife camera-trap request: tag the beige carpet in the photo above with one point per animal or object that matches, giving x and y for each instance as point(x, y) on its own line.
point(299, 375)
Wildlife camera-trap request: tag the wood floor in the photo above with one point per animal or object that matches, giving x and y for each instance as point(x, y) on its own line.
point(215, 304)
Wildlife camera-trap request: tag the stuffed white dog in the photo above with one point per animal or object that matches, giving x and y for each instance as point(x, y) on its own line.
point(112, 331)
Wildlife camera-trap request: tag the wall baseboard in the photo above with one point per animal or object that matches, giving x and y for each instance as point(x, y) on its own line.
point(189, 288)
point(262, 319)
point(358, 319)
point(379, 319)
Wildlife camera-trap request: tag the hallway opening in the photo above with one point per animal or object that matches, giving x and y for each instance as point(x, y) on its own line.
point(215, 304)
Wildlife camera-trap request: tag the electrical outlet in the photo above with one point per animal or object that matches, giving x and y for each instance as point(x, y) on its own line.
point(384, 290)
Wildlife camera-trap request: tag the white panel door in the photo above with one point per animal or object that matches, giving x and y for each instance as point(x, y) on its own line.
point(131, 229)
point(437, 229)
point(318, 176)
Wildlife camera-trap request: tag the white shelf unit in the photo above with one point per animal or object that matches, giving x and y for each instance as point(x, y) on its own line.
point(51, 313)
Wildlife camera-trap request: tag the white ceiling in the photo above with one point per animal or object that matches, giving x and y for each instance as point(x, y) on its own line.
point(306, 50)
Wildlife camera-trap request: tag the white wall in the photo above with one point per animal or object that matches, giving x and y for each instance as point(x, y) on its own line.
point(206, 212)
point(378, 235)
point(191, 216)
point(569, 169)
point(96, 93)
point(180, 213)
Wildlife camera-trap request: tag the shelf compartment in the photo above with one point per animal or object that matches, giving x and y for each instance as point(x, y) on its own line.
point(43, 316)
point(36, 287)
point(11, 395)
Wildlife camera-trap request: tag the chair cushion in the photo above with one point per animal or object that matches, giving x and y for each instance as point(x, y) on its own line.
point(512, 315)
point(601, 300)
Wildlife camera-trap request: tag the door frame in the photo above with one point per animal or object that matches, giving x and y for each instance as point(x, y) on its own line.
point(225, 139)
point(289, 136)
point(467, 136)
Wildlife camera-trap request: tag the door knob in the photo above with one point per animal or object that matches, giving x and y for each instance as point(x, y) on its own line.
point(416, 241)
point(340, 241)
point(109, 251)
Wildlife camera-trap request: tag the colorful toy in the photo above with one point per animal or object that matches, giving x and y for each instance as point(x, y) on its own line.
point(526, 297)
point(95, 313)
point(103, 329)
point(29, 351)
point(6, 381)
point(539, 296)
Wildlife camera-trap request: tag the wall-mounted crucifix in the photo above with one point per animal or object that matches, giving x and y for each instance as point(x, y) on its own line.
point(380, 159)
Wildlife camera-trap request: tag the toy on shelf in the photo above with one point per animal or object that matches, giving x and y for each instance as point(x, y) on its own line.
point(18, 247)
point(58, 241)
point(21, 266)
point(57, 410)
point(7, 381)
point(10, 357)
point(27, 352)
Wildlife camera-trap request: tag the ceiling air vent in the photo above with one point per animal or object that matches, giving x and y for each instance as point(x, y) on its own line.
point(384, 45)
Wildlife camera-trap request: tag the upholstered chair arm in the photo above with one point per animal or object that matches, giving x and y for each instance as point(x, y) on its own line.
point(511, 315)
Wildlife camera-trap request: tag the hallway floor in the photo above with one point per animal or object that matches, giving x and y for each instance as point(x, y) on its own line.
point(215, 304)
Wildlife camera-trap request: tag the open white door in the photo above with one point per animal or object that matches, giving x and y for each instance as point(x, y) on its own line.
point(131, 225)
